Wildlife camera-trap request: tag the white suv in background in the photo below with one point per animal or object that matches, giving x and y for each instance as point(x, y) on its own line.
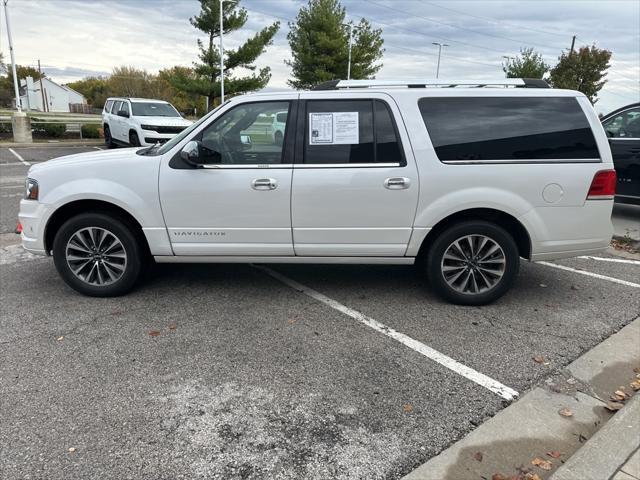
point(460, 180)
point(140, 121)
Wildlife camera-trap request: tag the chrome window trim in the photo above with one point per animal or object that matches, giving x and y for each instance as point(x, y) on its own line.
point(348, 165)
point(624, 139)
point(261, 166)
point(524, 161)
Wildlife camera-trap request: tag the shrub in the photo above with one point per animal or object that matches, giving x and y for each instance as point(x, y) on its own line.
point(53, 130)
point(90, 131)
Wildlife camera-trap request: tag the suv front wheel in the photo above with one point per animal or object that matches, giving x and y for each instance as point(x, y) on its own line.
point(97, 255)
point(473, 263)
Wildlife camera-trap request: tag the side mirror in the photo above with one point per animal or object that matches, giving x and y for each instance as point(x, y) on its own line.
point(123, 113)
point(190, 153)
point(245, 139)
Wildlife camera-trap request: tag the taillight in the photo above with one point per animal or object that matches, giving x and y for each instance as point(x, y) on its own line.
point(603, 186)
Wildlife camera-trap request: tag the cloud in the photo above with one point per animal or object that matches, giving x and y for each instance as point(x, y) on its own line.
point(75, 38)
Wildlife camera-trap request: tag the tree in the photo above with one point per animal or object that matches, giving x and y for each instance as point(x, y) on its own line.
point(206, 80)
point(95, 89)
point(7, 94)
point(529, 64)
point(583, 71)
point(319, 41)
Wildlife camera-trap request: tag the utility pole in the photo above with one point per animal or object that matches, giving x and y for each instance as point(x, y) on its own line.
point(44, 104)
point(13, 59)
point(350, 44)
point(573, 43)
point(221, 58)
point(440, 45)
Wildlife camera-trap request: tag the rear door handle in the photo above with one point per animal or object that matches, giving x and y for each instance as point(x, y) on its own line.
point(264, 184)
point(397, 183)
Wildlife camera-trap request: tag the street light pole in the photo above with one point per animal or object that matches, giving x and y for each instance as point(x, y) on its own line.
point(440, 45)
point(350, 44)
point(221, 58)
point(13, 60)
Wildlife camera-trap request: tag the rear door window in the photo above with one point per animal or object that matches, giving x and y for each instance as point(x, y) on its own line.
point(350, 132)
point(508, 128)
point(116, 107)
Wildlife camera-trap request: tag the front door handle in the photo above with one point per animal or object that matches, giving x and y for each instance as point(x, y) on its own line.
point(264, 184)
point(397, 183)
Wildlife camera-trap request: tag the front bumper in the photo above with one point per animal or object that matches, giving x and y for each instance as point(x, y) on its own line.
point(33, 216)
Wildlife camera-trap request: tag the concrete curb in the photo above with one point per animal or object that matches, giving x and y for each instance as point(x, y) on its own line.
point(93, 143)
point(608, 449)
point(532, 427)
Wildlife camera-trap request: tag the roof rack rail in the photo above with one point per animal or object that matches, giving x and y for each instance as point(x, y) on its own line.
point(423, 83)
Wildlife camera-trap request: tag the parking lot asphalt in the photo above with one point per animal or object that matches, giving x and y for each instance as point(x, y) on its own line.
point(223, 371)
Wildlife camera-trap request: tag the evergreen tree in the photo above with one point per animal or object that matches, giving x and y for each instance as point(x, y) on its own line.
point(319, 41)
point(206, 80)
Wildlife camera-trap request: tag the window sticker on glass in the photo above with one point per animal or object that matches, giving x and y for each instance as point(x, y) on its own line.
point(321, 128)
point(336, 128)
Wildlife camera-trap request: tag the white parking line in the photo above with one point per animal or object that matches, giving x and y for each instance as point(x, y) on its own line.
point(448, 362)
point(19, 157)
point(589, 274)
point(615, 260)
point(11, 164)
point(98, 148)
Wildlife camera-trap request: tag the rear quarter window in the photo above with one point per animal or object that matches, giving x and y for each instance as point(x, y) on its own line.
point(107, 106)
point(508, 128)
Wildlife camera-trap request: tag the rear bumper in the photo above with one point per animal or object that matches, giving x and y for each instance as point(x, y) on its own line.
point(562, 232)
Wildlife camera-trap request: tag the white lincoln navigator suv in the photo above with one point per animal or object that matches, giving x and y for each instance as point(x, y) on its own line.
point(461, 178)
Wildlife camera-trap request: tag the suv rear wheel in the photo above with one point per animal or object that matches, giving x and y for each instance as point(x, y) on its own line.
point(473, 263)
point(97, 255)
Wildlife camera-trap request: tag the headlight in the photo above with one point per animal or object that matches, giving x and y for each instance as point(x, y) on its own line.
point(148, 127)
point(31, 189)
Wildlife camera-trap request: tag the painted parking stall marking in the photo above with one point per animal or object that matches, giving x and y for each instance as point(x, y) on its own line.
point(590, 274)
point(614, 260)
point(489, 383)
point(19, 157)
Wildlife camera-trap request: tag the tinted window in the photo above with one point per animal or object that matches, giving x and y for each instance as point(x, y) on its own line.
point(360, 151)
point(387, 145)
point(244, 135)
point(624, 125)
point(508, 128)
point(150, 109)
point(116, 107)
point(125, 107)
point(107, 106)
point(328, 141)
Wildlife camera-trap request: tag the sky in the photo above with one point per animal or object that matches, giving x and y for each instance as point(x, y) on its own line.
point(74, 39)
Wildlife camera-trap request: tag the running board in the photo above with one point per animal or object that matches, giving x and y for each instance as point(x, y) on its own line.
point(244, 259)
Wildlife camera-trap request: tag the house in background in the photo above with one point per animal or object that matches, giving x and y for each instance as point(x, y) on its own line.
point(57, 98)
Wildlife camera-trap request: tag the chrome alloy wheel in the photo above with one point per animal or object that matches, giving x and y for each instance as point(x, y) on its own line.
point(473, 264)
point(96, 256)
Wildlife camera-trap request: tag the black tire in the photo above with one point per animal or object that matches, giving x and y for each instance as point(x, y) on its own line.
point(108, 139)
point(475, 270)
point(122, 232)
point(278, 137)
point(134, 141)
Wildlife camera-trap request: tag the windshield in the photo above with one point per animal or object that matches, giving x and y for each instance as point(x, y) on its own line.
point(178, 138)
point(149, 109)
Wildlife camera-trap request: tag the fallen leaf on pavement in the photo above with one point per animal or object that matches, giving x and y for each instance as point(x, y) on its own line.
point(618, 395)
point(542, 463)
point(565, 412)
point(554, 454)
point(408, 408)
point(291, 321)
point(478, 456)
point(635, 385)
point(154, 333)
point(636, 370)
point(532, 476)
point(60, 339)
point(613, 406)
point(173, 326)
point(72, 449)
point(498, 476)
point(538, 359)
